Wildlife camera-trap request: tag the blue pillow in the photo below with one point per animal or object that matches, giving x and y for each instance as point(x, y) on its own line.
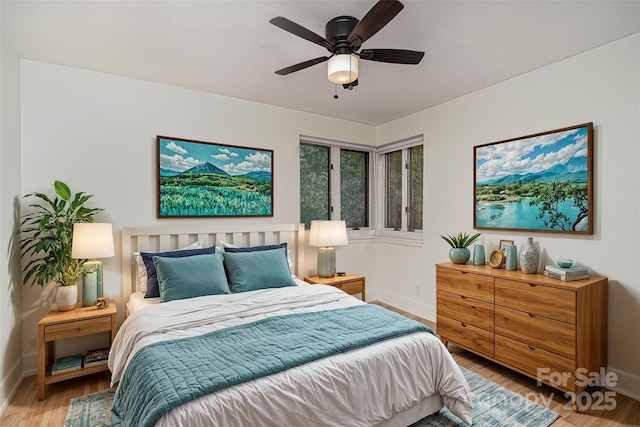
point(153, 291)
point(190, 277)
point(252, 270)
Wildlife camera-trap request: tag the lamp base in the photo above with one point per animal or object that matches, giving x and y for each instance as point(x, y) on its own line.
point(326, 262)
point(92, 283)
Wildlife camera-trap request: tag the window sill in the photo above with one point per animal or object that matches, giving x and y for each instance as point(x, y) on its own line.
point(402, 238)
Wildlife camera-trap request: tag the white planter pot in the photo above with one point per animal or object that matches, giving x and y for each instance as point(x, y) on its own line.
point(67, 297)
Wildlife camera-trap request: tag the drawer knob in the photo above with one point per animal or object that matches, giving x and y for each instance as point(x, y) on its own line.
point(531, 315)
point(79, 329)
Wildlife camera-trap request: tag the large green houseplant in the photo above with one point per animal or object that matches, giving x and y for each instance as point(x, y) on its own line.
point(46, 234)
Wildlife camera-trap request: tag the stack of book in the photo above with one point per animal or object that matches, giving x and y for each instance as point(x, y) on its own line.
point(96, 357)
point(67, 364)
point(566, 274)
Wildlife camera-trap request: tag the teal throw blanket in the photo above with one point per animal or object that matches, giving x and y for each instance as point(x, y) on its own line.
point(164, 375)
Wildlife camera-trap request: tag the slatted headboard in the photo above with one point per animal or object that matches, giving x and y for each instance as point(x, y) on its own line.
point(162, 238)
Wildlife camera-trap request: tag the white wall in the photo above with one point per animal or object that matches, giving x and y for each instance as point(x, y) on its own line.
point(96, 132)
point(10, 289)
point(602, 86)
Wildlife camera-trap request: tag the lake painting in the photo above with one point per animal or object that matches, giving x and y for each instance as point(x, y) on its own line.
point(204, 179)
point(541, 182)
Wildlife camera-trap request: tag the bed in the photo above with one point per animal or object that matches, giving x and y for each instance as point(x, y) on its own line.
point(245, 358)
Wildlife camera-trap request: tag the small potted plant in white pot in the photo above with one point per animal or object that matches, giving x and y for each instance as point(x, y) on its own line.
point(459, 252)
point(46, 235)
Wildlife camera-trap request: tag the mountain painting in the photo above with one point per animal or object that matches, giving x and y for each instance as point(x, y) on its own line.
point(203, 179)
point(541, 182)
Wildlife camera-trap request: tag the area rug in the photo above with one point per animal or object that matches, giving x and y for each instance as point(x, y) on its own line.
point(493, 405)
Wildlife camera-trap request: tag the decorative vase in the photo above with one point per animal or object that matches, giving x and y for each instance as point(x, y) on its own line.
point(529, 258)
point(511, 263)
point(459, 255)
point(67, 297)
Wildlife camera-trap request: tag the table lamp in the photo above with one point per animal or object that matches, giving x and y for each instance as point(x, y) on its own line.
point(325, 235)
point(92, 240)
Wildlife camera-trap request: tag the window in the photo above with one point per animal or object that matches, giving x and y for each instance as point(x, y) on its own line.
point(315, 189)
point(401, 164)
point(335, 180)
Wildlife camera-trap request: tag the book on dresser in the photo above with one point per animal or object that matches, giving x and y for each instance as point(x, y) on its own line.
point(67, 364)
point(566, 274)
point(96, 357)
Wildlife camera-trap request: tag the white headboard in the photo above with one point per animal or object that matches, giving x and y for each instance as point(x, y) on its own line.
point(162, 238)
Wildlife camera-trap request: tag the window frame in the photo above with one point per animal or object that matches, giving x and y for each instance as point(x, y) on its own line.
point(335, 202)
point(401, 145)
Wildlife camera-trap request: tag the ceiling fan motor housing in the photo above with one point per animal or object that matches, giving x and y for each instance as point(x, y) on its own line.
point(338, 29)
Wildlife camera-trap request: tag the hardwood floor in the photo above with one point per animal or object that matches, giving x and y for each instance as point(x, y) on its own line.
point(25, 410)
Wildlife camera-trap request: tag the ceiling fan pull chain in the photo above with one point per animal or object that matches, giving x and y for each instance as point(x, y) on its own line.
point(336, 91)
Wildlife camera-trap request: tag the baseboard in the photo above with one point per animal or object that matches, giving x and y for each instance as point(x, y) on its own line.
point(417, 308)
point(13, 380)
point(627, 384)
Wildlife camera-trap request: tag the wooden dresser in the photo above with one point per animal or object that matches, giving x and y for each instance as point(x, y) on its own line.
point(542, 327)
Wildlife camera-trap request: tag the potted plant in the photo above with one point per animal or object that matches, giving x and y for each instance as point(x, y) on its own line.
point(459, 252)
point(46, 238)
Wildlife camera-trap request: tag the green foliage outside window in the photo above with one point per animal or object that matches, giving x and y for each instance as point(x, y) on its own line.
point(393, 190)
point(416, 156)
point(314, 183)
point(354, 191)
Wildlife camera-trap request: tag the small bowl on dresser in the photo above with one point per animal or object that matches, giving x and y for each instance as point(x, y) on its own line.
point(564, 262)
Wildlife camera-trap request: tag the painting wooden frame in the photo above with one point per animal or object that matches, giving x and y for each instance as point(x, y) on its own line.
point(541, 182)
point(207, 179)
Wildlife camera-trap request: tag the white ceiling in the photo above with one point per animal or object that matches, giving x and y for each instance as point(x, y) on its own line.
point(230, 48)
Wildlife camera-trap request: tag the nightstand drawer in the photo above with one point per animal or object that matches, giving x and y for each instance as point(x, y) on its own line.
point(77, 328)
point(351, 287)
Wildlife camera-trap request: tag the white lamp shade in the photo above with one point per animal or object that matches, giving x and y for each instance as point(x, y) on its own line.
point(342, 69)
point(328, 233)
point(92, 240)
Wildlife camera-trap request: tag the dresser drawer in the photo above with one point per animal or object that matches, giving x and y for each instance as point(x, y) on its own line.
point(466, 310)
point(470, 285)
point(529, 359)
point(469, 336)
point(76, 328)
point(548, 334)
point(351, 287)
point(547, 301)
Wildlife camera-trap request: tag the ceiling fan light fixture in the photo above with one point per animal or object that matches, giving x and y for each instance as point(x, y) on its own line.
point(342, 69)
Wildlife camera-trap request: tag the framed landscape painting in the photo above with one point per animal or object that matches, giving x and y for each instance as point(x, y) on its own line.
point(541, 182)
point(205, 179)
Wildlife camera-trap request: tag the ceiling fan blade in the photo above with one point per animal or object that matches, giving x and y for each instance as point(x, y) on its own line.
point(300, 31)
point(379, 16)
point(302, 65)
point(394, 56)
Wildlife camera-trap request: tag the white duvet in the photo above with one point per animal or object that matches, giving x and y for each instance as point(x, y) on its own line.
point(363, 387)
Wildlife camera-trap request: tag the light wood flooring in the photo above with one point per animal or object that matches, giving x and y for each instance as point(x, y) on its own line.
point(25, 410)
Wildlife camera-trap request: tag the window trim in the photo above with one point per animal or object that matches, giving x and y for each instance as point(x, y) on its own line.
point(334, 182)
point(381, 151)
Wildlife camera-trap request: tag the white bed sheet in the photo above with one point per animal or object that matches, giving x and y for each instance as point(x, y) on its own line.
point(407, 371)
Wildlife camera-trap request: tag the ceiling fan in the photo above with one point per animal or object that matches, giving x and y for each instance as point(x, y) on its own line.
point(344, 36)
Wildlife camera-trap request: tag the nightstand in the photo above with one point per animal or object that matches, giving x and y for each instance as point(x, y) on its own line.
point(350, 283)
point(68, 324)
